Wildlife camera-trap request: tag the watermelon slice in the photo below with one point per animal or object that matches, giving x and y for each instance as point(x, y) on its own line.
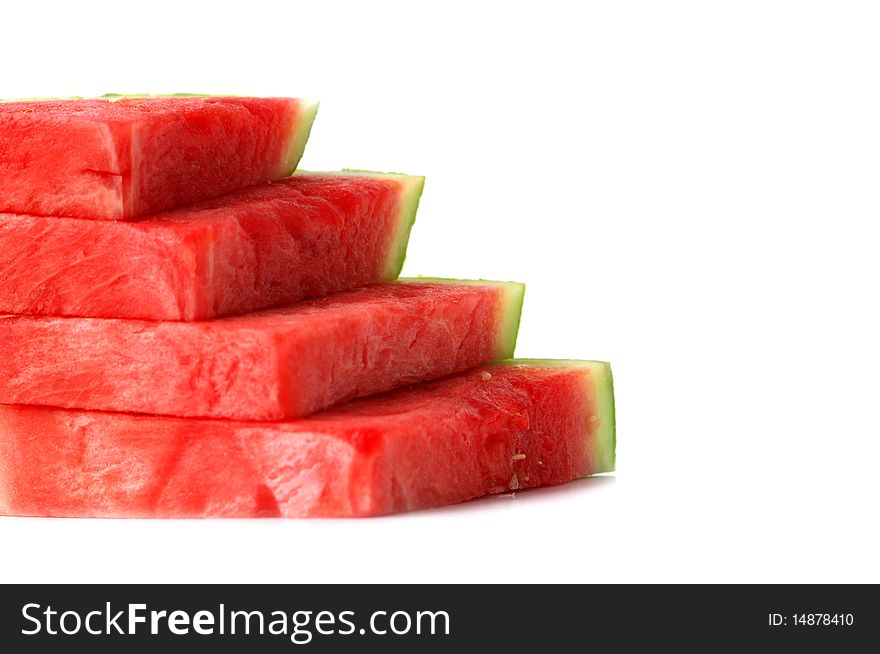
point(285, 362)
point(118, 158)
point(305, 236)
point(493, 429)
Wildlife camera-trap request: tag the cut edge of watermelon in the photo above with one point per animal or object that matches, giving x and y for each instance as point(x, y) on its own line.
point(307, 109)
point(411, 187)
point(509, 310)
point(605, 448)
point(115, 97)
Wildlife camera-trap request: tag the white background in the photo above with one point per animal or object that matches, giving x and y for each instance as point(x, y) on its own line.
point(690, 190)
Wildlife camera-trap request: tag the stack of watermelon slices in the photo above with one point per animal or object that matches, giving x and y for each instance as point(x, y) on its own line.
point(190, 328)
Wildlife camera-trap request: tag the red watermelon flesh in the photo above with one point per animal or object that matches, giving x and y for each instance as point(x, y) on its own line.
point(305, 236)
point(493, 429)
point(279, 363)
point(119, 158)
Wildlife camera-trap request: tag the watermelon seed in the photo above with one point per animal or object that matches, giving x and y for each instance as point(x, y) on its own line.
point(518, 457)
point(514, 482)
point(486, 376)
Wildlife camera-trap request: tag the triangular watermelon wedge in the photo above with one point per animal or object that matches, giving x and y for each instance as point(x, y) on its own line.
point(284, 362)
point(120, 157)
point(307, 235)
point(498, 428)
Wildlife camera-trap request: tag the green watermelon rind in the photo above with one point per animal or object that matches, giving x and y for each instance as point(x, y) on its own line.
point(408, 208)
point(606, 434)
point(511, 316)
point(305, 118)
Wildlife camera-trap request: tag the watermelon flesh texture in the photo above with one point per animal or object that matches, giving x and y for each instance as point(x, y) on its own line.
point(304, 236)
point(493, 429)
point(116, 159)
point(279, 363)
